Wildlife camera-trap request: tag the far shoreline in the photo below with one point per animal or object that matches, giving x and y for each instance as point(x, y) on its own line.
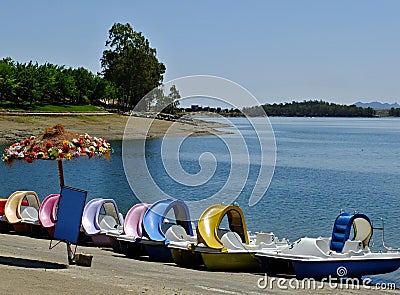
point(110, 126)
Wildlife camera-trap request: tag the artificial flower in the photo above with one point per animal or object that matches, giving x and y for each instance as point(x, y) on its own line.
point(36, 148)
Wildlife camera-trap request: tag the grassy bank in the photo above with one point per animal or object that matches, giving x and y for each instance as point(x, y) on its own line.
point(35, 107)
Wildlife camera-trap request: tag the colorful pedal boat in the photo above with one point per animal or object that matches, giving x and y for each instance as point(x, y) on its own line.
point(335, 257)
point(21, 211)
point(4, 225)
point(155, 227)
point(101, 216)
point(222, 249)
point(48, 212)
point(127, 242)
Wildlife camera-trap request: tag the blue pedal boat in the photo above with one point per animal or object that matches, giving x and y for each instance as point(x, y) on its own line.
point(156, 227)
point(334, 257)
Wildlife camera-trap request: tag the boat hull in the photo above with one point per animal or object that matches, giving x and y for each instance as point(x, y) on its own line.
point(131, 249)
point(231, 261)
point(186, 258)
point(328, 268)
point(159, 253)
point(278, 266)
point(351, 269)
point(35, 230)
point(102, 240)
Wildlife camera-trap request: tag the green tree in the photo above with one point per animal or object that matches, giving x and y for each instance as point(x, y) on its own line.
point(167, 104)
point(8, 81)
point(131, 64)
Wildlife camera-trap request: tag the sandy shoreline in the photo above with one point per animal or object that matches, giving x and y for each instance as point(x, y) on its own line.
point(112, 127)
point(29, 267)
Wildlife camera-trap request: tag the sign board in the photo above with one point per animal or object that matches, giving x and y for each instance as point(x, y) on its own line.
point(69, 214)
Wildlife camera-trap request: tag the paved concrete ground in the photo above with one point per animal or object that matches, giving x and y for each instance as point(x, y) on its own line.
point(27, 266)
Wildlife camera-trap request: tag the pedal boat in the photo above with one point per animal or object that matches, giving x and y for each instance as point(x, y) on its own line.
point(21, 212)
point(101, 216)
point(48, 213)
point(335, 257)
point(223, 249)
point(127, 242)
point(156, 227)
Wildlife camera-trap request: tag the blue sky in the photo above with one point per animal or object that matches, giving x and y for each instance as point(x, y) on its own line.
point(339, 51)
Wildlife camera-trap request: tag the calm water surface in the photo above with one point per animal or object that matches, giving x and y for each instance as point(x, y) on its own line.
point(323, 165)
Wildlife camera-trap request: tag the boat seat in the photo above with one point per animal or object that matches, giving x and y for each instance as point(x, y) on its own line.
point(177, 233)
point(352, 246)
point(165, 226)
point(232, 241)
point(29, 213)
point(108, 223)
point(265, 238)
point(323, 244)
point(221, 232)
point(339, 255)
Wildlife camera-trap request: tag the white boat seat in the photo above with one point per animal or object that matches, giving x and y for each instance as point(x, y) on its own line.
point(166, 225)
point(263, 245)
point(116, 232)
point(108, 223)
point(265, 238)
point(323, 244)
point(232, 241)
point(339, 255)
point(221, 232)
point(177, 233)
point(352, 245)
point(29, 213)
point(127, 238)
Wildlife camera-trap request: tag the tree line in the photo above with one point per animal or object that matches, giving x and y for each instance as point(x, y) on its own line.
point(394, 112)
point(130, 69)
point(29, 83)
point(311, 108)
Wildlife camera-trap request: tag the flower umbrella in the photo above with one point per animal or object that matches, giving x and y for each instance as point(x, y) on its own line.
point(57, 144)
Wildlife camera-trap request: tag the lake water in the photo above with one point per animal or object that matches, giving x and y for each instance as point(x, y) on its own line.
point(323, 165)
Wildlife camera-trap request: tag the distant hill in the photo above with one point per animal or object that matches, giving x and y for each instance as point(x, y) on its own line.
point(376, 105)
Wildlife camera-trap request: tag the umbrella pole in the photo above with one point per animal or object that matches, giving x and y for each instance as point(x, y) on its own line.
point(61, 175)
point(61, 172)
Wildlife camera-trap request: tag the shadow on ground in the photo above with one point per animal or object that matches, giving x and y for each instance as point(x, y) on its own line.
point(29, 263)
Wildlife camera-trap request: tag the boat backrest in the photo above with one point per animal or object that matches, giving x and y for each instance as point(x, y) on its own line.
point(362, 229)
point(344, 223)
point(232, 241)
point(266, 238)
point(111, 209)
point(108, 222)
point(133, 220)
point(12, 209)
point(177, 233)
point(48, 210)
point(341, 231)
point(29, 213)
point(90, 217)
